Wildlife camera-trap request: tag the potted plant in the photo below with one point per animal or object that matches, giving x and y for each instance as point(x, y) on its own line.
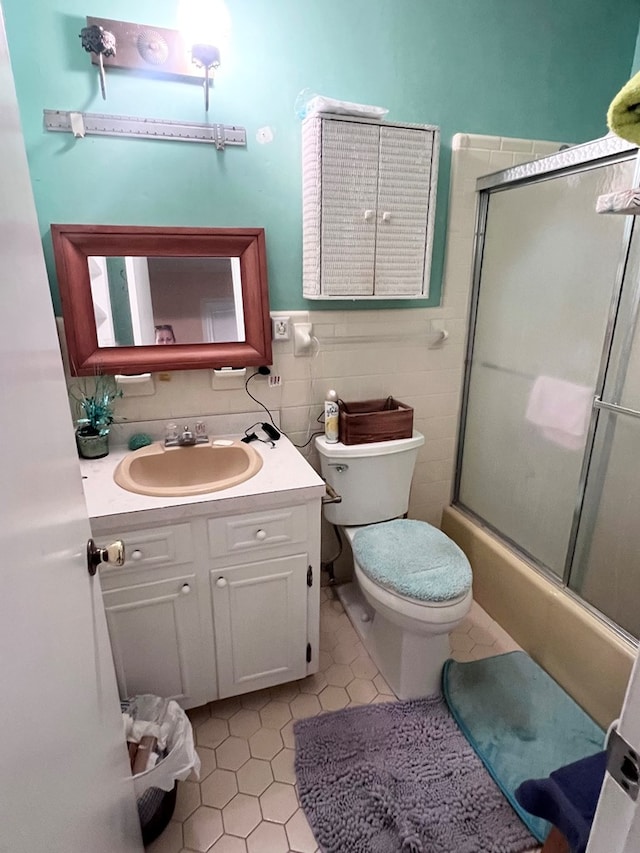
point(95, 416)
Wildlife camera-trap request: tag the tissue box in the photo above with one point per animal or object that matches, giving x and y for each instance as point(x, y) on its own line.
point(374, 420)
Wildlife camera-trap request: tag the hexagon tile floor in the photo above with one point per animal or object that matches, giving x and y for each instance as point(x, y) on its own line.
point(246, 799)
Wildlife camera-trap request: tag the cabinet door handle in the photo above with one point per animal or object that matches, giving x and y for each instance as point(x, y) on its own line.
point(261, 535)
point(386, 216)
point(136, 555)
point(221, 582)
point(185, 589)
point(368, 215)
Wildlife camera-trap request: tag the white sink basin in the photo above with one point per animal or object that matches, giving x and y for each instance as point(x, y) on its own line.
point(183, 471)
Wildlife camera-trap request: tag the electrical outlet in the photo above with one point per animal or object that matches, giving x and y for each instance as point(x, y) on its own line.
point(281, 328)
point(275, 381)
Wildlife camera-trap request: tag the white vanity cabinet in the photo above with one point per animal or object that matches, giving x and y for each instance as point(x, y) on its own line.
point(261, 580)
point(217, 604)
point(368, 207)
point(156, 615)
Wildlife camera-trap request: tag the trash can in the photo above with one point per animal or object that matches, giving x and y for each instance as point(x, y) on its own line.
point(162, 752)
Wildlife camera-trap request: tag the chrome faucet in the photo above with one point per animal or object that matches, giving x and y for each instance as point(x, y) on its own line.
point(187, 438)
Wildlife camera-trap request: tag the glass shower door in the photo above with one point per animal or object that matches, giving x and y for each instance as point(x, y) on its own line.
point(549, 268)
point(606, 563)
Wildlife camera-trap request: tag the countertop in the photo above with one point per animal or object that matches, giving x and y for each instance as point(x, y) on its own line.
point(285, 476)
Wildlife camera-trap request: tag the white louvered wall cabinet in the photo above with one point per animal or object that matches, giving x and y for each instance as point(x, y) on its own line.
point(369, 191)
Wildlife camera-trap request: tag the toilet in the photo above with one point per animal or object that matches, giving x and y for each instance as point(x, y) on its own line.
point(412, 584)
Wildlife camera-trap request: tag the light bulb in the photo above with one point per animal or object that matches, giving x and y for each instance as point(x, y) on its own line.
point(205, 22)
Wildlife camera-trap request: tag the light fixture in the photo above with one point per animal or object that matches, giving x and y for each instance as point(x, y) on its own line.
point(206, 56)
point(201, 43)
point(205, 25)
point(100, 42)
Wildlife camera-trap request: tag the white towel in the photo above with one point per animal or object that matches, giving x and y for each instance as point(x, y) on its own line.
point(561, 409)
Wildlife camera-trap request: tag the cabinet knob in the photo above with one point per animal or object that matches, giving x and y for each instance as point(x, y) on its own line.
point(261, 535)
point(136, 555)
point(221, 582)
point(185, 589)
point(386, 216)
point(368, 215)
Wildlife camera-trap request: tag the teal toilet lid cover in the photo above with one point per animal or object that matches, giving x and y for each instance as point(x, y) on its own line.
point(413, 559)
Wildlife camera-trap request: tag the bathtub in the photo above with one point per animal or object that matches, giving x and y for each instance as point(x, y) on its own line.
point(582, 653)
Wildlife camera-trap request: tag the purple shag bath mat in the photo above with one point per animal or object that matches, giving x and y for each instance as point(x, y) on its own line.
point(398, 777)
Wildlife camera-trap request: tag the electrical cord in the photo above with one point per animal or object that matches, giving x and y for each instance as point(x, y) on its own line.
point(264, 371)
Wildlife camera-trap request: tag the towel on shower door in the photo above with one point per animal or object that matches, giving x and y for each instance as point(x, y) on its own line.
point(561, 409)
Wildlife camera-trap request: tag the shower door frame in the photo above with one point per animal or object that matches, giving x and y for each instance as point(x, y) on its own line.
point(580, 158)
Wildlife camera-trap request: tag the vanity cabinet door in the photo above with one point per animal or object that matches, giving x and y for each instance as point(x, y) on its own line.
point(156, 639)
point(260, 623)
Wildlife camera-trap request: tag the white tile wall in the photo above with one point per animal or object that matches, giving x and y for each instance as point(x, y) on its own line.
point(412, 368)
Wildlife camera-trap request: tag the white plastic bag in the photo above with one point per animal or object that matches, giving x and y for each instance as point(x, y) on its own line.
point(182, 758)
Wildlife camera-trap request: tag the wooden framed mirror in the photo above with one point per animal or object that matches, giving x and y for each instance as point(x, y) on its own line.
point(128, 291)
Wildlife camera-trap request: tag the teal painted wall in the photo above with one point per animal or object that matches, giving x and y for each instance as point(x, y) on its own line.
point(524, 68)
point(636, 56)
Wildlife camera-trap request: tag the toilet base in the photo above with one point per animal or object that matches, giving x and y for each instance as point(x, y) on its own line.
point(411, 664)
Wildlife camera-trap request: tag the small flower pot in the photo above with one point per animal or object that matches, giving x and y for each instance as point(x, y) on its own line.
point(92, 446)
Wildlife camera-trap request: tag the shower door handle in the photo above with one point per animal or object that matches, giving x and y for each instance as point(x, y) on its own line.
point(612, 407)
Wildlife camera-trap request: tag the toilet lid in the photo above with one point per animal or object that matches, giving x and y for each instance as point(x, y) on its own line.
point(413, 559)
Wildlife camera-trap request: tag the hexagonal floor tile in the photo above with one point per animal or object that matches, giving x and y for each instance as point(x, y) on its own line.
point(381, 685)
point(254, 777)
point(482, 635)
point(461, 642)
point(361, 690)
point(324, 661)
point(344, 653)
point(305, 705)
point(275, 715)
point(364, 667)
point(299, 834)
point(285, 692)
point(212, 733)
point(334, 698)
point(279, 802)
point(225, 708)
point(256, 700)
point(187, 801)
point(197, 716)
point(207, 761)
point(314, 683)
point(242, 815)
point(265, 743)
point(219, 788)
point(202, 829)
point(288, 738)
point(229, 844)
point(282, 766)
point(339, 675)
point(233, 753)
point(244, 723)
point(268, 837)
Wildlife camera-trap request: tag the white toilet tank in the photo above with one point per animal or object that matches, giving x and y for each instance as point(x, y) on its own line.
point(373, 479)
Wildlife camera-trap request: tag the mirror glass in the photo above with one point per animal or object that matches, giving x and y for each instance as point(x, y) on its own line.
point(139, 301)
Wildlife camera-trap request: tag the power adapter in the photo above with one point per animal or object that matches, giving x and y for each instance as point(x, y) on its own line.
point(271, 431)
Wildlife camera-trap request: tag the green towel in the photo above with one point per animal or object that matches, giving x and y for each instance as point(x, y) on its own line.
point(623, 116)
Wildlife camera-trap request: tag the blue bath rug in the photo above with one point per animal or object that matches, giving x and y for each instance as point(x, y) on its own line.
point(400, 777)
point(519, 721)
